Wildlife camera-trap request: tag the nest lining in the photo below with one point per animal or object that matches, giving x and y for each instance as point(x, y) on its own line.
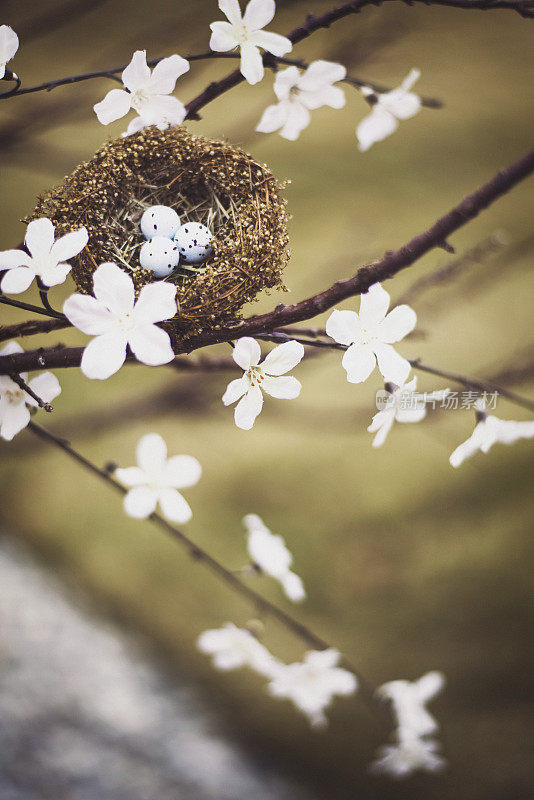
point(205, 181)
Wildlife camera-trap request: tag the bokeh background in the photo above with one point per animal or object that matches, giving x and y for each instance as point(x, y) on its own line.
point(409, 565)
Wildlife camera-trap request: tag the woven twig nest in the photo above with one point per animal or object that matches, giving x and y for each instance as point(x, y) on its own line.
point(204, 181)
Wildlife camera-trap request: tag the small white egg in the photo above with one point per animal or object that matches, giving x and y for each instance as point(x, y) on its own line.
point(194, 241)
point(159, 221)
point(160, 255)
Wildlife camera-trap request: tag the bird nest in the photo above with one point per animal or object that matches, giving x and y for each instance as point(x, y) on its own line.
point(204, 181)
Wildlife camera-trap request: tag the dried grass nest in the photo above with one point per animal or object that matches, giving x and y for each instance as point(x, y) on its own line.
point(204, 181)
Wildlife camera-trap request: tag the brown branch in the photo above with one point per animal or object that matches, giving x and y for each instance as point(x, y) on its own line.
point(392, 263)
point(16, 378)
point(47, 312)
point(31, 328)
point(202, 556)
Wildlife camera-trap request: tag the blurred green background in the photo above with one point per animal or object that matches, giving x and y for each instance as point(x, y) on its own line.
point(409, 565)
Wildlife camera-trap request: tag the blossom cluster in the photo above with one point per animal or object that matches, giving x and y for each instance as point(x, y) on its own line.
point(414, 749)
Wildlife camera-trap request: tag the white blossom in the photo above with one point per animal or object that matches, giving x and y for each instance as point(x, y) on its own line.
point(312, 684)
point(47, 259)
point(117, 320)
point(402, 759)
point(233, 647)
point(387, 109)
point(299, 93)
point(488, 431)
point(370, 335)
point(270, 554)
point(157, 479)
point(403, 405)
point(14, 401)
point(266, 376)
point(408, 700)
point(245, 31)
point(138, 124)
point(9, 44)
point(147, 92)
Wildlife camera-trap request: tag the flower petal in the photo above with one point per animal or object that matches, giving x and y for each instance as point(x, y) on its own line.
point(68, 246)
point(283, 388)
point(391, 364)
point(9, 259)
point(222, 37)
point(180, 472)
point(285, 80)
point(115, 105)
point(258, 14)
point(104, 356)
point(166, 73)
point(293, 587)
point(374, 305)
point(137, 73)
point(114, 288)
point(273, 118)
point(375, 127)
point(9, 43)
point(251, 64)
point(39, 237)
point(231, 10)
point(343, 326)
point(17, 280)
point(248, 409)
point(151, 453)
point(156, 302)
point(151, 345)
point(140, 502)
point(13, 418)
point(271, 42)
point(381, 424)
point(235, 390)
point(162, 108)
point(246, 353)
point(283, 358)
point(174, 506)
point(130, 476)
point(400, 321)
point(332, 96)
point(55, 275)
point(321, 72)
point(46, 386)
point(359, 361)
point(88, 314)
point(298, 118)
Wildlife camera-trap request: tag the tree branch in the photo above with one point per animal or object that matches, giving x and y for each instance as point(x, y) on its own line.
point(202, 556)
point(392, 263)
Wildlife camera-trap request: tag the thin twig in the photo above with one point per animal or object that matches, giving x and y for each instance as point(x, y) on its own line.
point(47, 312)
point(16, 378)
point(202, 556)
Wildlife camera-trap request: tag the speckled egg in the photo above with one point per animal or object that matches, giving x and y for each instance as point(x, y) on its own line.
point(159, 221)
point(194, 242)
point(160, 254)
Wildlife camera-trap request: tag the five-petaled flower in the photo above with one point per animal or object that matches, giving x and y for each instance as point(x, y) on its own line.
point(117, 320)
point(147, 93)
point(370, 335)
point(387, 109)
point(9, 44)
point(270, 555)
point(245, 31)
point(233, 647)
point(312, 684)
point(408, 756)
point(157, 479)
point(488, 431)
point(266, 376)
point(401, 403)
point(46, 260)
point(14, 401)
point(299, 93)
point(408, 700)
